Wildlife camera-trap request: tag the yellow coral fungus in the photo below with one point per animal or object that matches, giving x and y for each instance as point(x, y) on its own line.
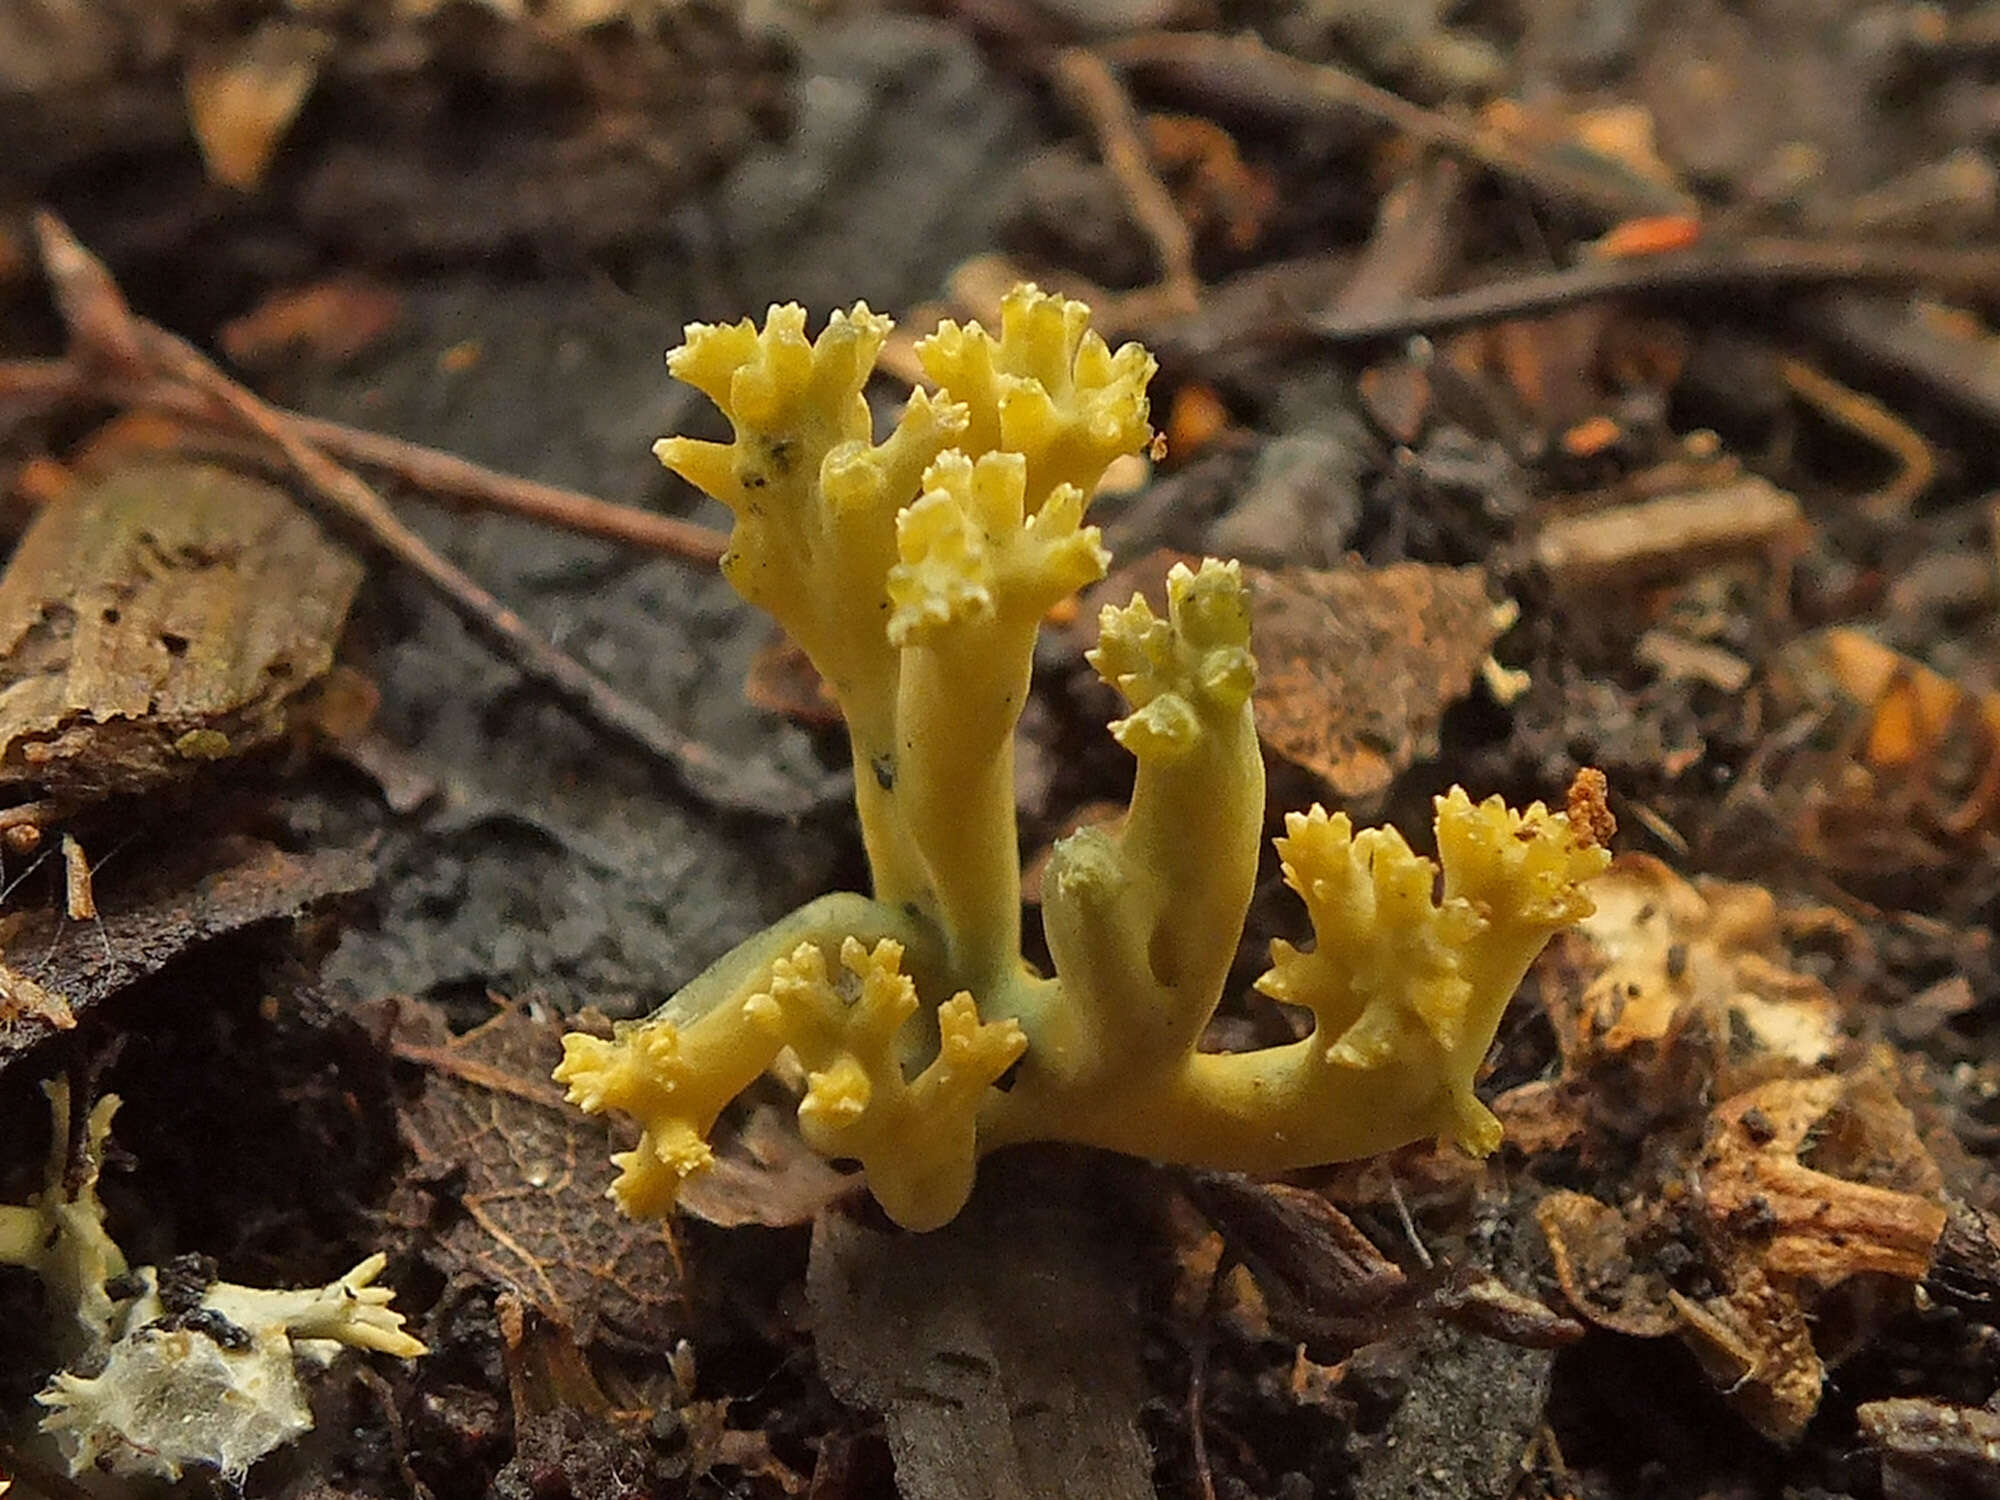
point(915, 573)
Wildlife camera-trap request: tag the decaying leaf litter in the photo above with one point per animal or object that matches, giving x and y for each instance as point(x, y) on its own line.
point(1691, 403)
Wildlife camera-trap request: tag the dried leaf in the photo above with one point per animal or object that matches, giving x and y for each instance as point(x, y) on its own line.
point(512, 1181)
point(30, 1009)
point(1482, 1303)
point(56, 971)
point(782, 680)
point(1396, 393)
point(1588, 1242)
point(764, 1174)
point(1907, 736)
point(1356, 665)
point(1213, 186)
point(1316, 1269)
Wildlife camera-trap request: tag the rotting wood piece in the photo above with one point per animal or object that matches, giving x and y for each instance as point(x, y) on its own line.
point(1670, 535)
point(1929, 1448)
point(161, 618)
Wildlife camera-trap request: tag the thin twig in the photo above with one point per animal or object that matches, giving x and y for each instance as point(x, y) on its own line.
point(40, 385)
point(1245, 71)
point(1870, 420)
point(110, 336)
point(1409, 1224)
point(1749, 265)
point(448, 475)
point(1096, 92)
point(1197, 1396)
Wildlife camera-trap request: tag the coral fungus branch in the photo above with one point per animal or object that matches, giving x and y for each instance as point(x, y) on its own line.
point(915, 573)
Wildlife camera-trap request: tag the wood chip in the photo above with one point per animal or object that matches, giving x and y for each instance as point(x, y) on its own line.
point(1677, 657)
point(158, 619)
point(1673, 534)
point(78, 900)
point(1931, 1450)
point(1812, 1224)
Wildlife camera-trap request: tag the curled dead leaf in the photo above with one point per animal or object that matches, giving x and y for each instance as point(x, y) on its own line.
point(1596, 1270)
point(1898, 733)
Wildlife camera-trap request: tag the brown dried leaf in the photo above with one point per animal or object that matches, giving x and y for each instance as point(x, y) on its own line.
point(1546, 368)
point(1214, 188)
point(511, 1181)
point(1901, 736)
point(765, 1174)
point(56, 971)
point(1396, 394)
point(1357, 665)
point(30, 1009)
point(782, 680)
point(1482, 1303)
point(1312, 1265)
